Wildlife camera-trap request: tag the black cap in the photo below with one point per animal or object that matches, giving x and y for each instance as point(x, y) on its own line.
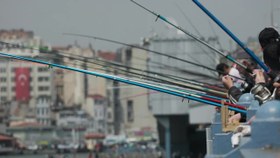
point(267, 35)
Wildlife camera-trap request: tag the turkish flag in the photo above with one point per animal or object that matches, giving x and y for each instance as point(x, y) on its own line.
point(22, 84)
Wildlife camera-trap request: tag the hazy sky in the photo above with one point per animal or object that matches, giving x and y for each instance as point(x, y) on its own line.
point(124, 21)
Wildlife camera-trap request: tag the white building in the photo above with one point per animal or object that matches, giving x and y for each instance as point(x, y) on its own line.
point(44, 115)
point(136, 115)
point(73, 119)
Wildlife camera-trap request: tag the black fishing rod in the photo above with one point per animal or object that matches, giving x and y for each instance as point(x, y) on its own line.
point(210, 89)
point(181, 79)
point(139, 47)
point(177, 78)
point(151, 51)
point(193, 36)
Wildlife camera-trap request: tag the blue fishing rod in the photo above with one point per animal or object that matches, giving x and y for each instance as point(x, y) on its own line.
point(124, 80)
point(117, 66)
point(241, 44)
point(229, 57)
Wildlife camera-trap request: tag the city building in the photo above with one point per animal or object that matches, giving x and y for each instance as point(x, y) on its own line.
point(134, 111)
point(44, 114)
point(179, 120)
point(78, 89)
point(20, 81)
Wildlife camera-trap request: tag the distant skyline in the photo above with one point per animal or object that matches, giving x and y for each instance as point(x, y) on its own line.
point(124, 21)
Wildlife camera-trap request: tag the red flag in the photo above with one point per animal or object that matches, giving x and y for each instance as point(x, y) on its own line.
point(22, 84)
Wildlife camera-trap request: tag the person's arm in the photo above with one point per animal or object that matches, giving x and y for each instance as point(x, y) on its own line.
point(276, 85)
point(233, 92)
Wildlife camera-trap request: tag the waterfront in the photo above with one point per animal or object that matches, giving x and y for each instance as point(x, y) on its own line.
point(84, 155)
point(70, 155)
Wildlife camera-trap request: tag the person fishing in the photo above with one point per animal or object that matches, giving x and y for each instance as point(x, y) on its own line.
point(236, 90)
point(269, 41)
point(224, 69)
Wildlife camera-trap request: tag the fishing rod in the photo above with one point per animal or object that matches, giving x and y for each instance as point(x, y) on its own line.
point(151, 51)
point(229, 57)
point(138, 95)
point(192, 92)
point(219, 93)
point(241, 44)
point(155, 79)
point(210, 89)
point(124, 80)
point(139, 47)
point(150, 72)
point(182, 79)
point(215, 90)
point(196, 30)
point(181, 70)
point(82, 58)
point(211, 98)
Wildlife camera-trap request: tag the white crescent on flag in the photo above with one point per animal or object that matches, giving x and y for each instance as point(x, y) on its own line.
point(22, 78)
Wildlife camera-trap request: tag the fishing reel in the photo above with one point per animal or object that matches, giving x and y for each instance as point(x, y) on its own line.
point(248, 84)
point(261, 93)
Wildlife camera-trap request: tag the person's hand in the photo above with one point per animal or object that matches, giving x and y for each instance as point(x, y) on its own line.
point(235, 118)
point(227, 81)
point(259, 76)
point(276, 85)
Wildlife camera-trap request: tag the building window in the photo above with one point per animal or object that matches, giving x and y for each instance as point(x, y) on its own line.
point(42, 69)
point(13, 79)
point(130, 113)
point(59, 90)
point(2, 70)
point(13, 89)
point(3, 79)
point(40, 79)
point(98, 101)
point(109, 115)
point(3, 99)
point(3, 89)
point(128, 54)
point(43, 88)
